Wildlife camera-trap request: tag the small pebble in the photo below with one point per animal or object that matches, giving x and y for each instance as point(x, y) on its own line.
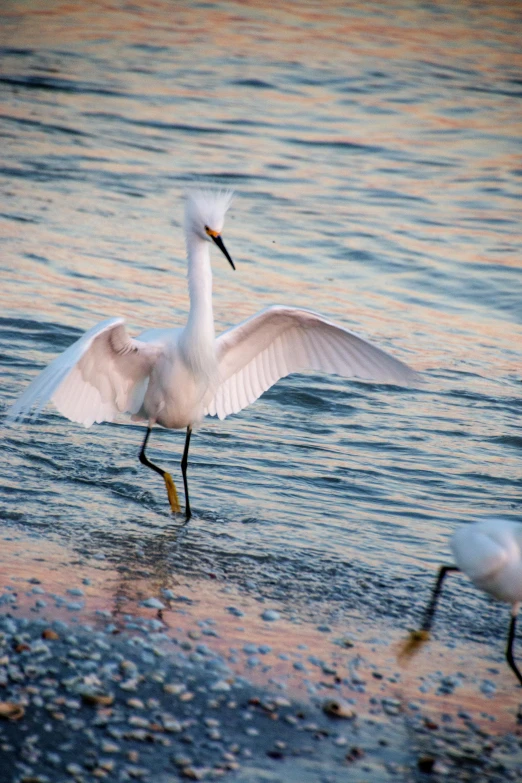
point(220, 685)
point(487, 687)
point(74, 769)
point(338, 708)
point(391, 706)
point(270, 615)
point(252, 731)
point(172, 725)
point(181, 760)
point(235, 611)
point(109, 747)
point(152, 603)
point(174, 688)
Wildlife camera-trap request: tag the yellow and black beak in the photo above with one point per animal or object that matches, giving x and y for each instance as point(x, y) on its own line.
point(216, 238)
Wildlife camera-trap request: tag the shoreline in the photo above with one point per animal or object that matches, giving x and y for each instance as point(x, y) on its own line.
point(207, 635)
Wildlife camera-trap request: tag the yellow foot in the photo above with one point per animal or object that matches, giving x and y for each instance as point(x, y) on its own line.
point(412, 645)
point(172, 493)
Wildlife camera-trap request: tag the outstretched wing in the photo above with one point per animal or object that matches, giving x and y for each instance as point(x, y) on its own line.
point(101, 374)
point(281, 340)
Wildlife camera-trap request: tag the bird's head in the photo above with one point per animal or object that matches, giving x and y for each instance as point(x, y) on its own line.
point(205, 212)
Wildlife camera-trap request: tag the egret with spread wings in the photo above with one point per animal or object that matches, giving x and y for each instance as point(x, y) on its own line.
point(174, 377)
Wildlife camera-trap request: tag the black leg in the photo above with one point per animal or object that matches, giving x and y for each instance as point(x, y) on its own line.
point(143, 458)
point(171, 488)
point(184, 463)
point(509, 648)
point(430, 609)
point(417, 638)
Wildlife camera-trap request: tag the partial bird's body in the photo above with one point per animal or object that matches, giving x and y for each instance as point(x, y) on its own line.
point(489, 552)
point(174, 377)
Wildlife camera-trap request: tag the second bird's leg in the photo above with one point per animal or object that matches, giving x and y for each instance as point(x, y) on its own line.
point(184, 463)
point(509, 649)
point(427, 620)
point(417, 638)
point(169, 483)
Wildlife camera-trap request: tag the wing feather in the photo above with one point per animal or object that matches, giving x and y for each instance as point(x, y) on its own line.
point(282, 369)
point(245, 377)
point(278, 341)
point(230, 399)
point(261, 362)
point(101, 374)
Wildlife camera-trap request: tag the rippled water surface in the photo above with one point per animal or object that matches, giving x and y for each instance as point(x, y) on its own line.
point(375, 152)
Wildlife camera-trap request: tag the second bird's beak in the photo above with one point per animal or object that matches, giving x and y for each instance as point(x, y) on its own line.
point(215, 237)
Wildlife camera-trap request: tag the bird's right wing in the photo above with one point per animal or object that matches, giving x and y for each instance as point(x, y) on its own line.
point(281, 340)
point(101, 374)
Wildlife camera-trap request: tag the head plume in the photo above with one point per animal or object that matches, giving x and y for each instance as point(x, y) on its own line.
point(206, 208)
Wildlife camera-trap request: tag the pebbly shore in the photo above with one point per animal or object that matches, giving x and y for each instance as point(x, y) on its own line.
point(80, 704)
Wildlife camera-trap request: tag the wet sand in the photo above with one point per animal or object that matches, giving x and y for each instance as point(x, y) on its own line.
point(450, 712)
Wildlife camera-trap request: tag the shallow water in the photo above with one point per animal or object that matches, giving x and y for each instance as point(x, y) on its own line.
point(375, 155)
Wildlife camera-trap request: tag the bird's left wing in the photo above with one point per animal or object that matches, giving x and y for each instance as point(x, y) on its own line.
point(281, 340)
point(101, 374)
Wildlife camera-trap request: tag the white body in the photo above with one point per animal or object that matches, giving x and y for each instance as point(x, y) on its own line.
point(489, 552)
point(174, 377)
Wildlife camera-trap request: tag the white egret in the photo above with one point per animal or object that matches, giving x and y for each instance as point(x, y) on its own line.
point(490, 554)
point(174, 377)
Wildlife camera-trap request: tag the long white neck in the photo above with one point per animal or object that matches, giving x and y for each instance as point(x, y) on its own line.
point(198, 339)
